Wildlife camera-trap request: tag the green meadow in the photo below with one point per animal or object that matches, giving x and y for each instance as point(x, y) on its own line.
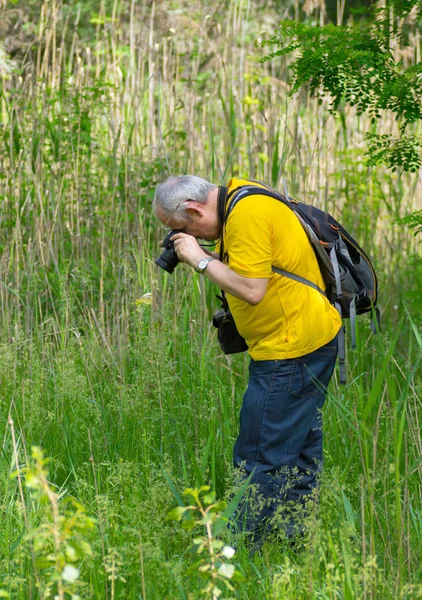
point(112, 406)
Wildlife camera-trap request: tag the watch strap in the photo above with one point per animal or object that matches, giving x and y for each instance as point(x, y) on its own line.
point(208, 259)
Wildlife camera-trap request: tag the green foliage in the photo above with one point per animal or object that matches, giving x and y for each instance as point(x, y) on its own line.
point(403, 152)
point(353, 64)
point(214, 566)
point(414, 221)
point(59, 539)
point(413, 292)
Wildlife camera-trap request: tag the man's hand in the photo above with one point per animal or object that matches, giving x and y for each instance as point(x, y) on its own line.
point(187, 249)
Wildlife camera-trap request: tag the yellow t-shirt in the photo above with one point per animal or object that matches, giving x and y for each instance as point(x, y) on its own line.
point(293, 319)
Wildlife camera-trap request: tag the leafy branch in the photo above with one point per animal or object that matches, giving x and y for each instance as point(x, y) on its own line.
point(353, 64)
point(59, 539)
point(414, 221)
point(213, 565)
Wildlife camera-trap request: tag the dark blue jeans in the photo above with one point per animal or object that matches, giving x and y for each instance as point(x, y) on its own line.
point(280, 438)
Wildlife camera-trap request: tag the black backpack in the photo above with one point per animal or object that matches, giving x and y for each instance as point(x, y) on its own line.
point(351, 283)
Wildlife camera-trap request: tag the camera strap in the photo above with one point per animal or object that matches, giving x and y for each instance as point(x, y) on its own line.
point(221, 205)
point(221, 208)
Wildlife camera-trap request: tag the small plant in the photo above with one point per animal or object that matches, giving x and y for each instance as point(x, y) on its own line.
point(213, 565)
point(58, 540)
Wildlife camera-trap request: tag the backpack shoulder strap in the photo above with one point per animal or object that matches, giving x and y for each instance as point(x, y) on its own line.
point(242, 192)
point(298, 278)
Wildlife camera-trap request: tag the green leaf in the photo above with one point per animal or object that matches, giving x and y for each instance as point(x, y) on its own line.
point(237, 576)
point(71, 553)
point(200, 544)
point(348, 510)
point(173, 488)
point(177, 513)
point(226, 515)
point(415, 330)
point(218, 506)
point(209, 498)
point(226, 570)
point(42, 562)
point(193, 492)
point(80, 548)
point(199, 540)
point(189, 524)
point(375, 392)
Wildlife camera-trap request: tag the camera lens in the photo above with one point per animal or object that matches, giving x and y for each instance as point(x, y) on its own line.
point(167, 260)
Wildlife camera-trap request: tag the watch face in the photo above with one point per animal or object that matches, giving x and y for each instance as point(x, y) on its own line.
point(202, 263)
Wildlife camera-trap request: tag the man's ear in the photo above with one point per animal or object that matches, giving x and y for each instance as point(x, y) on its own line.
point(195, 208)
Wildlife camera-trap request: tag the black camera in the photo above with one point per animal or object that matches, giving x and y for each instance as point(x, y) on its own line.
point(168, 258)
point(230, 340)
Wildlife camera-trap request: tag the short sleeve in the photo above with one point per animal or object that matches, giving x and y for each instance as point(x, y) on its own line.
point(248, 244)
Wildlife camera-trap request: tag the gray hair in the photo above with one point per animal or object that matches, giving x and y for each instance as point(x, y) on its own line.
point(175, 190)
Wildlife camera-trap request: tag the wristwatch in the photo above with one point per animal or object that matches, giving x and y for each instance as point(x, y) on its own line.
point(203, 263)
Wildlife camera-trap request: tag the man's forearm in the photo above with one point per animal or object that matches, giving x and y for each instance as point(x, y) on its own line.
point(211, 252)
point(251, 290)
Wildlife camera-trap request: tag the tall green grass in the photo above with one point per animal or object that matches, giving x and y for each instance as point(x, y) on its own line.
point(133, 403)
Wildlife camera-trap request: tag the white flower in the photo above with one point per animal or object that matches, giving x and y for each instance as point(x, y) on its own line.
point(70, 574)
point(228, 552)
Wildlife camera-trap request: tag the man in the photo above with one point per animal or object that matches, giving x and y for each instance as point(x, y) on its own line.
point(290, 329)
